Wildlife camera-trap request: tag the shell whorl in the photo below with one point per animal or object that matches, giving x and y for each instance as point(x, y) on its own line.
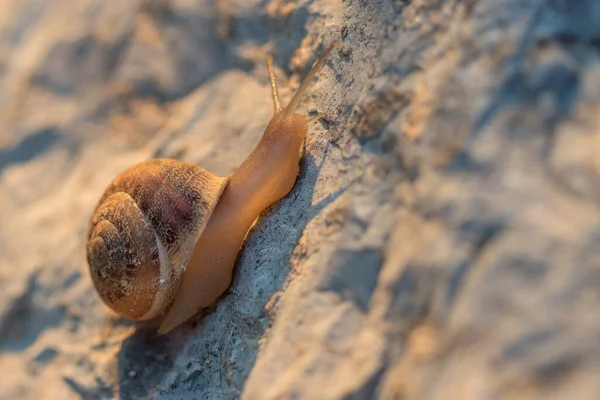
point(144, 230)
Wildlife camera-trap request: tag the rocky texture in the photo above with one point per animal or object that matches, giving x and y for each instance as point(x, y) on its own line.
point(442, 240)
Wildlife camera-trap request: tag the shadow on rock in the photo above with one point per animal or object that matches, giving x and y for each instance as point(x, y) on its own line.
point(26, 319)
point(225, 337)
point(29, 148)
point(144, 358)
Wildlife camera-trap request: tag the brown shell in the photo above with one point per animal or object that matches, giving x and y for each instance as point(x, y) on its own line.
point(144, 230)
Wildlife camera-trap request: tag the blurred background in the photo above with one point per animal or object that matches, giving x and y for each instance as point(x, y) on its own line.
point(442, 240)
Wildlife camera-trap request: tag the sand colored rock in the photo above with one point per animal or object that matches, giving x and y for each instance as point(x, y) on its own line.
point(442, 239)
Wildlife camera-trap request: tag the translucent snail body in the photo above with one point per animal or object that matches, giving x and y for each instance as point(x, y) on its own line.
point(165, 235)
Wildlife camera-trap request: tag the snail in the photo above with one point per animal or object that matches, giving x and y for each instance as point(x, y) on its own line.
point(164, 237)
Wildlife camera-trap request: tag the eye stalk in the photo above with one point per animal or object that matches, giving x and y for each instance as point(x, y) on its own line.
point(187, 225)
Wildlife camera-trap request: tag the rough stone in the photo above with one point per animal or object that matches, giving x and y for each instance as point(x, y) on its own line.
point(442, 239)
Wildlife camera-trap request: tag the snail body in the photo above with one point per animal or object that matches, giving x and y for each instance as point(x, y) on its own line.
point(165, 235)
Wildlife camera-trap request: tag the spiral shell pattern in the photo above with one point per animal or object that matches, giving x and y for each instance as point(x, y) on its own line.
point(144, 230)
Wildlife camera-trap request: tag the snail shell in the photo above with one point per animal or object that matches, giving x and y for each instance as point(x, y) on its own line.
point(145, 249)
point(144, 230)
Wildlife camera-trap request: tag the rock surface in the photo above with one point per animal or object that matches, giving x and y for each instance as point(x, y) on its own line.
point(442, 240)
